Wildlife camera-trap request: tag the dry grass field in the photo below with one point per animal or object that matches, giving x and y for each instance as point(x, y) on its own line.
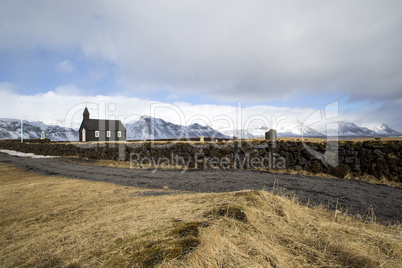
point(60, 222)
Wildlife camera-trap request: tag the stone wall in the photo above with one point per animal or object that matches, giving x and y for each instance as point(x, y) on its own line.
point(377, 158)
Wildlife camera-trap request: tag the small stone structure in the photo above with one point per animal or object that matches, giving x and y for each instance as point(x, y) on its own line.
point(202, 139)
point(271, 135)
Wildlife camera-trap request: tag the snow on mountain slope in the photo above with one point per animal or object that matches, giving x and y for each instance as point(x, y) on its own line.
point(196, 130)
point(11, 129)
point(296, 130)
point(384, 129)
point(350, 129)
point(283, 130)
point(148, 128)
point(257, 131)
point(341, 128)
point(155, 128)
point(241, 134)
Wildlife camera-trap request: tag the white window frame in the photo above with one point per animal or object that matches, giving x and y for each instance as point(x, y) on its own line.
point(119, 134)
point(96, 133)
point(108, 133)
point(84, 135)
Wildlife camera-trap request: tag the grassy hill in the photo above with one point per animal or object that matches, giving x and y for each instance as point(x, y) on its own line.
point(60, 222)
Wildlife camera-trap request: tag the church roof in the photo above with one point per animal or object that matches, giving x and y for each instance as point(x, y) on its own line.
point(103, 125)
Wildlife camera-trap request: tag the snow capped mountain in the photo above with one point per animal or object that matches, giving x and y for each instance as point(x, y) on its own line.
point(257, 131)
point(196, 130)
point(57, 133)
point(241, 134)
point(286, 130)
point(340, 128)
point(343, 128)
point(155, 128)
point(11, 129)
point(384, 129)
point(350, 129)
point(297, 130)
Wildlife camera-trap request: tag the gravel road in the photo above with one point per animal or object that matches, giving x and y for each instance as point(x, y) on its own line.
point(356, 196)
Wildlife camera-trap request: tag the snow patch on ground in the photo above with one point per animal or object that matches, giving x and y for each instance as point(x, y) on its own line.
point(30, 155)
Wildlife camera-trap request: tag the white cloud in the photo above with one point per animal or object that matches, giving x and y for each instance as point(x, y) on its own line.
point(66, 110)
point(65, 66)
point(5, 86)
point(69, 90)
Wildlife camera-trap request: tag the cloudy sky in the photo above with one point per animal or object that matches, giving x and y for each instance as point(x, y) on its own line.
point(204, 58)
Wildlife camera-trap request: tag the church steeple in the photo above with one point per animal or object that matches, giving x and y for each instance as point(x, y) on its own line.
point(86, 114)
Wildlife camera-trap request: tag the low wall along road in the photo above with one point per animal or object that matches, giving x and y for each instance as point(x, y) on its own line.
point(381, 159)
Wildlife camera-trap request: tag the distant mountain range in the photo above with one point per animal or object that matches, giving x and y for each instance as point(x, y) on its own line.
point(156, 128)
point(11, 129)
point(342, 129)
point(385, 129)
point(351, 129)
point(288, 130)
point(241, 134)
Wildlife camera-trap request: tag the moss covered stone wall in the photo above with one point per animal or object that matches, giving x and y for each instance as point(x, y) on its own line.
point(377, 158)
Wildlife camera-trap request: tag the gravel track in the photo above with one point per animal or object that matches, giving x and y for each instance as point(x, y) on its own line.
point(356, 196)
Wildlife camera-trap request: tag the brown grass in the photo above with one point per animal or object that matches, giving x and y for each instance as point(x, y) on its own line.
point(59, 222)
point(368, 178)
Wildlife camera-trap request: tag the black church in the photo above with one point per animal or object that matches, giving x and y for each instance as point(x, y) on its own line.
point(101, 129)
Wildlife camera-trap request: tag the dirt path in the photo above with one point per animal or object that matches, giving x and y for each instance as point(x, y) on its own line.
point(356, 196)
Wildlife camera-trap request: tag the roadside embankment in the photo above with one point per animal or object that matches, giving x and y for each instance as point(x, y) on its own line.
point(49, 221)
